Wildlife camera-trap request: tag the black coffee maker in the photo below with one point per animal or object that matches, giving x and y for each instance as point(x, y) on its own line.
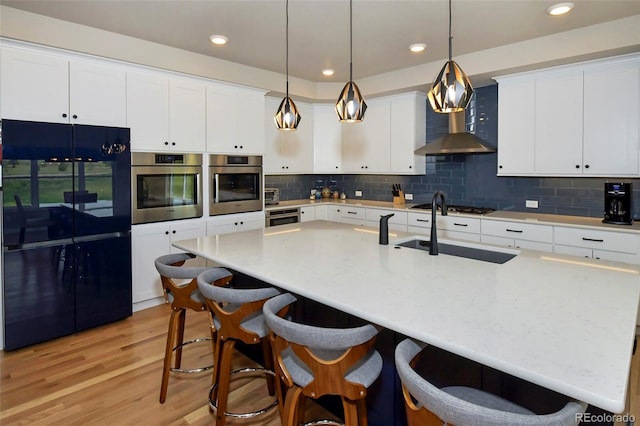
point(617, 203)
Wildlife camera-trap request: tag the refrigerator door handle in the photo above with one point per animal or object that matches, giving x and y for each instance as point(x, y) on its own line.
point(86, 238)
point(40, 244)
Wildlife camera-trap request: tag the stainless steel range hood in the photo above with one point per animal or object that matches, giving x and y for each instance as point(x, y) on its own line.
point(458, 141)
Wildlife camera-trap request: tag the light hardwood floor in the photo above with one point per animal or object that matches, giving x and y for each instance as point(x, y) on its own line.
point(111, 376)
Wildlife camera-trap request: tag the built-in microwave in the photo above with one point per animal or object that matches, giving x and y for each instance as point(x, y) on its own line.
point(165, 186)
point(236, 184)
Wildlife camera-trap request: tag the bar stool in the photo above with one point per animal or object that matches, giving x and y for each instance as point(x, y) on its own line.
point(316, 361)
point(236, 315)
point(183, 297)
point(461, 405)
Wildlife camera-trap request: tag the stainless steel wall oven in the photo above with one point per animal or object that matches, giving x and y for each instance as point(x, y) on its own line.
point(236, 184)
point(165, 186)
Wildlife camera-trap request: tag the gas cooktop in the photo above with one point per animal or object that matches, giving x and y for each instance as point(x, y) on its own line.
point(457, 208)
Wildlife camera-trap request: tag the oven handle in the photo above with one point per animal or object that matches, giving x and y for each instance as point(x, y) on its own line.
point(215, 187)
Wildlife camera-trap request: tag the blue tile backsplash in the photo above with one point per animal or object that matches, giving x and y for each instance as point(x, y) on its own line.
point(469, 179)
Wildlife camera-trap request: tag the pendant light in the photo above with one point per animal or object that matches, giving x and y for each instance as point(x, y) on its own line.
point(351, 105)
point(451, 90)
point(287, 117)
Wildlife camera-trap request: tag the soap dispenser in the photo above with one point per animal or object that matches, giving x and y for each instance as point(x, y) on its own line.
point(384, 229)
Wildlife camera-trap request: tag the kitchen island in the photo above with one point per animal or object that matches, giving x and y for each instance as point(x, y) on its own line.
point(563, 323)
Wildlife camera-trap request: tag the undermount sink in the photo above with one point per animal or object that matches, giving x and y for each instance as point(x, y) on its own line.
point(466, 251)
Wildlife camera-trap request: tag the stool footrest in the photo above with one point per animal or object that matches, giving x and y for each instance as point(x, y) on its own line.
point(192, 370)
point(323, 422)
point(250, 414)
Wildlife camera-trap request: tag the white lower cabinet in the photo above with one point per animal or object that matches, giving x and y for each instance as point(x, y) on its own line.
point(150, 241)
point(517, 235)
point(322, 212)
point(451, 226)
point(226, 224)
point(398, 222)
point(606, 245)
point(307, 213)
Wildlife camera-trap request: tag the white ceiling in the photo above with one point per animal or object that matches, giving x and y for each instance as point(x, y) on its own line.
point(319, 29)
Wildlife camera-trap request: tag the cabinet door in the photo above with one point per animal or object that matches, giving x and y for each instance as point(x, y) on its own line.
point(97, 95)
point(148, 111)
point(307, 213)
point(251, 109)
point(408, 130)
point(366, 145)
point(611, 119)
point(187, 230)
point(516, 126)
point(327, 139)
point(187, 121)
point(34, 87)
point(558, 123)
point(222, 120)
point(148, 243)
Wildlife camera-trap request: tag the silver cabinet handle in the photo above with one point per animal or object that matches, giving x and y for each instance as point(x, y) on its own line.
point(422, 220)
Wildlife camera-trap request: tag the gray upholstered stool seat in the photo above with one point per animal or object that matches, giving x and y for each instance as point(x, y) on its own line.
point(180, 288)
point(460, 405)
point(316, 361)
point(237, 317)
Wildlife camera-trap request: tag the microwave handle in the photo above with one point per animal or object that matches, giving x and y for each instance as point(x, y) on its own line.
point(215, 187)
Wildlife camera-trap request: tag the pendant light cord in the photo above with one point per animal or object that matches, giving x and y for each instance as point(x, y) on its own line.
point(287, 46)
point(450, 37)
point(350, 40)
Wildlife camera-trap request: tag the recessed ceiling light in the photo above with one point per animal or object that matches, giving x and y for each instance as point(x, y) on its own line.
point(328, 72)
point(417, 47)
point(218, 39)
point(560, 9)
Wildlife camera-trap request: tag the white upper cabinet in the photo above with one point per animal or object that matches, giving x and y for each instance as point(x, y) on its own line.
point(611, 115)
point(327, 139)
point(49, 88)
point(235, 118)
point(366, 145)
point(165, 114)
point(558, 123)
point(408, 133)
point(288, 152)
point(516, 101)
point(579, 120)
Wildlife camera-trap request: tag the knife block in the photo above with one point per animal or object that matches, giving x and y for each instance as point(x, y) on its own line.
point(399, 199)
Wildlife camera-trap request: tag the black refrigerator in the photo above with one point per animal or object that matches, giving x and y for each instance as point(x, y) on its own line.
point(66, 236)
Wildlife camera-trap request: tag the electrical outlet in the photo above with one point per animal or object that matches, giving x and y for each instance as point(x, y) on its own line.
point(531, 204)
point(408, 197)
point(358, 193)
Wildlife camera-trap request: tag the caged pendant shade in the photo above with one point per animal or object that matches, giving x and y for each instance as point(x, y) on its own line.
point(287, 117)
point(351, 105)
point(451, 90)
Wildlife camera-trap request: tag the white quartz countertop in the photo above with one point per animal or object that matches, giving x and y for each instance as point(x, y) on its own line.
point(563, 323)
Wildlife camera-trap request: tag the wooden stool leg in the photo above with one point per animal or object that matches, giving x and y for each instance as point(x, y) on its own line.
point(180, 337)
point(168, 354)
point(224, 381)
point(350, 412)
point(217, 358)
point(291, 408)
point(361, 412)
point(268, 364)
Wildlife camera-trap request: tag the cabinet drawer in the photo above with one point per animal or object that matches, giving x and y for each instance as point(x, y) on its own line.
point(600, 240)
point(519, 231)
point(419, 219)
point(398, 218)
point(358, 213)
point(458, 224)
